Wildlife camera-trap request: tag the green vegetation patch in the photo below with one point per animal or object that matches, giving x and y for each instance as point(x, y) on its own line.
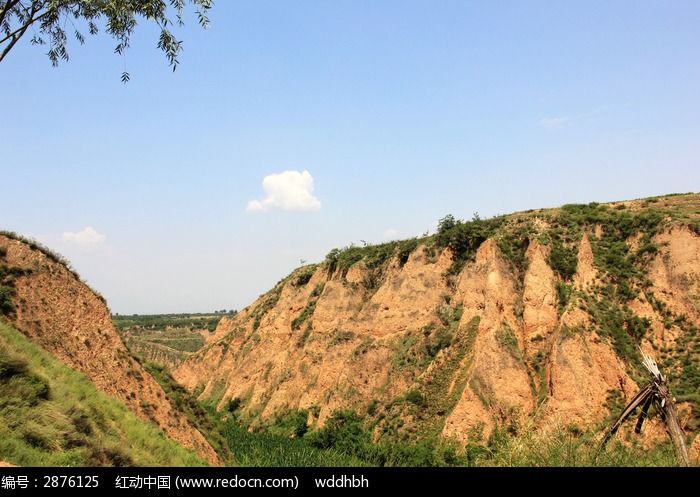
point(375, 257)
point(463, 238)
point(310, 307)
point(621, 325)
point(186, 403)
point(8, 275)
point(304, 275)
point(563, 260)
point(564, 293)
point(51, 415)
point(624, 266)
point(264, 448)
point(565, 447)
point(269, 301)
point(513, 240)
point(506, 338)
point(341, 336)
point(161, 322)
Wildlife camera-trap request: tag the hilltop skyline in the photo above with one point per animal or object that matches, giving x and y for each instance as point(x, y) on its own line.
point(289, 130)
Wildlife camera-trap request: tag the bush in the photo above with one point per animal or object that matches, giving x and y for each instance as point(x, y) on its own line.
point(564, 292)
point(318, 290)
point(563, 260)
point(441, 339)
point(304, 276)
point(344, 432)
point(374, 256)
point(234, 404)
point(415, 397)
point(292, 423)
point(405, 250)
point(6, 295)
point(463, 238)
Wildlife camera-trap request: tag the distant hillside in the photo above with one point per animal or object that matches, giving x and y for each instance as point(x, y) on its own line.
point(44, 299)
point(51, 415)
point(490, 326)
point(165, 339)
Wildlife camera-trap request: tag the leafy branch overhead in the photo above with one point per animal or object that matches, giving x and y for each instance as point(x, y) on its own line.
point(52, 22)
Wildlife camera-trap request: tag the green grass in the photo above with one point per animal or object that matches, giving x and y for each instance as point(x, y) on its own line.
point(564, 292)
point(207, 423)
point(51, 415)
point(271, 450)
point(621, 325)
point(269, 301)
point(305, 314)
point(346, 441)
point(567, 448)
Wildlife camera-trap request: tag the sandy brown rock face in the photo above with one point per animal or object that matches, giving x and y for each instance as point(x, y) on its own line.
point(675, 272)
point(64, 316)
point(498, 384)
point(584, 371)
point(509, 348)
point(540, 304)
point(694, 451)
point(586, 272)
point(470, 419)
point(342, 356)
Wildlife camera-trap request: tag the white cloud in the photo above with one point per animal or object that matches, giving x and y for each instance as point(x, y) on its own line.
point(554, 122)
point(391, 234)
point(289, 191)
point(85, 237)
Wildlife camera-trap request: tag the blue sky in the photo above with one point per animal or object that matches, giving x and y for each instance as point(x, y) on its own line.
point(401, 112)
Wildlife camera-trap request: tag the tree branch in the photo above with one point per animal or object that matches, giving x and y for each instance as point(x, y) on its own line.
point(18, 33)
point(36, 8)
point(9, 4)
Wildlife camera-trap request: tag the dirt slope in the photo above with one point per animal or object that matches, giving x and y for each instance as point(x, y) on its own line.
point(62, 314)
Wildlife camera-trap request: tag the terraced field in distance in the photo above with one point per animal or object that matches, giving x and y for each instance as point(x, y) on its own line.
point(165, 339)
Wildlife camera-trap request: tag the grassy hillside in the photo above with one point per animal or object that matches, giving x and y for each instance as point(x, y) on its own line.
point(44, 299)
point(52, 415)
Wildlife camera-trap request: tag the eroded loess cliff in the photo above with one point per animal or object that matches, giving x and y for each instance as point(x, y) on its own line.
point(55, 309)
point(535, 316)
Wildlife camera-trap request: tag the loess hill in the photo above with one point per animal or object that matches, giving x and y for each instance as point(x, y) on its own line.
point(531, 319)
point(45, 300)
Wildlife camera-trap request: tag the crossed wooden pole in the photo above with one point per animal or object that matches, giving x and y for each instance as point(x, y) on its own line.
point(655, 393)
